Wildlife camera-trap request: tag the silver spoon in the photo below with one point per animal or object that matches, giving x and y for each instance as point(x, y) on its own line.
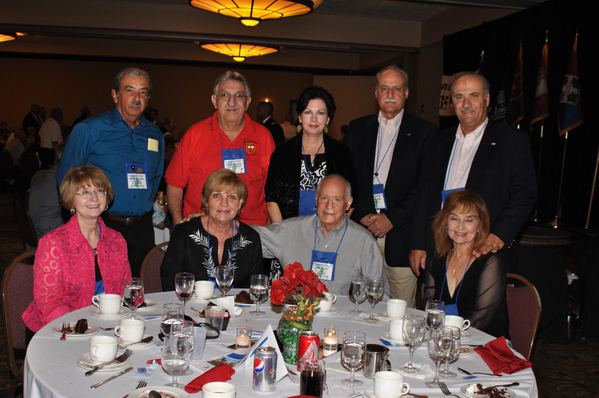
point(514, 384)
point(143, 341)
point(477, 373)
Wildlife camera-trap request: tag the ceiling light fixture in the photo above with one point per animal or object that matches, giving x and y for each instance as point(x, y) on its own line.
point(7, 37)
point(251, 12)
point(239, 52)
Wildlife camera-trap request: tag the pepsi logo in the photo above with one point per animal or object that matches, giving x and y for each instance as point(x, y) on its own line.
point(258, 365)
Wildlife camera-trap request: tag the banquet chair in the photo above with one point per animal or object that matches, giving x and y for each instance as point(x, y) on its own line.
point(150, 269)
point(26, 228)
point(17, 294)
point(524, 312)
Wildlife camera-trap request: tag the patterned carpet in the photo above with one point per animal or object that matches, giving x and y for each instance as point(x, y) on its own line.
point(569, 370)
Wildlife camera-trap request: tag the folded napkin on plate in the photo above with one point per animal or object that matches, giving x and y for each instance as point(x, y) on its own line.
point(500, 358)
point(426, 372)
point(229, 303)
point(362, 319)
point(222, 372)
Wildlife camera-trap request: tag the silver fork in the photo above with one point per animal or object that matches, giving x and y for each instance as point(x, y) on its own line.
point(141, 384)
point(445, 390)
point(477, 373)
point(65, 328)
point(120, 359)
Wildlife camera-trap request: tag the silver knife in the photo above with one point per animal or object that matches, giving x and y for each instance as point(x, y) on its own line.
point(122, 372)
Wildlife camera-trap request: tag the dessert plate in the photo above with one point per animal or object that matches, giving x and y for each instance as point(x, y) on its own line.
point(91, 329)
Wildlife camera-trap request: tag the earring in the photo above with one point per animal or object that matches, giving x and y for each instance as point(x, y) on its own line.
point(72, 211)
point(106, 208)
point(326, 129)
point(299, 128)
point(446, 229)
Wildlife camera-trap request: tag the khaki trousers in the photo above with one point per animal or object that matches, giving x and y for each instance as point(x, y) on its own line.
point(402, 281)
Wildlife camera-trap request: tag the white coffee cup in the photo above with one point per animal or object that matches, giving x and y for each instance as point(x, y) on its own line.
point(218, 389)
point(204, 289)
point(326, 302)
point(130, 330)
point(108, 304)
point(396, 308)
point(389, 384)
point(396, 330)
point(102, 348)
point(457, 321)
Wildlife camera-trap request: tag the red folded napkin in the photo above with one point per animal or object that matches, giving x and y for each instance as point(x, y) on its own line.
point(500, 358)
point(222, 372)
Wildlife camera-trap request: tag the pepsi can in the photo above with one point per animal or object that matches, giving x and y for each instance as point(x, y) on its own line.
point(265, 369)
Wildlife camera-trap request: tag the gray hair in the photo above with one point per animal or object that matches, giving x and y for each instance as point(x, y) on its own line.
point(339, 177)
point(395, 68)
point(484, 81)
point(232, 75)
point(116, 85)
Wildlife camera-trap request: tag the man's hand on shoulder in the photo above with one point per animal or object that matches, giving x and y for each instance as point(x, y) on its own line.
point(417, 260)
point(492, 244)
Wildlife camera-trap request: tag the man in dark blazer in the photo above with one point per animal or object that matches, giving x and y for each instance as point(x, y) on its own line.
point(387, 148)
point(264, 116)
point(496, 164)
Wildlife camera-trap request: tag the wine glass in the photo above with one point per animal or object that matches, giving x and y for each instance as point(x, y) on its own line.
point(435, 314)
point(258, 292)
point(133, 294)
point(184, 284)
point(413, 333)
point(453, 353)
point(356, 292)
point(224, 276)
point(175, 356)
point(374, 293)
point(171, 315)
point(352, 356)
point(439, 345)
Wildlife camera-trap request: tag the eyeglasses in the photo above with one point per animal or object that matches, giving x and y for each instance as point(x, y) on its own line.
point(237, 97)
point(100, 193)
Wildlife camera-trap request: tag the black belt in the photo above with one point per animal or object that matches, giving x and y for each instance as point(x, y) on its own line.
point(127, 220)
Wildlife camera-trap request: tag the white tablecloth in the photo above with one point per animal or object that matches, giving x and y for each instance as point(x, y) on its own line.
point(51, 369)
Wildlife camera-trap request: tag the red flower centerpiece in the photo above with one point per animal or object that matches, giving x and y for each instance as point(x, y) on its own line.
point(304, 287)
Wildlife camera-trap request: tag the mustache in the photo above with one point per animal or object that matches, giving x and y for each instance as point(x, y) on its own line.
point(232, 108)
point(135, 103)
point(393, 100)
point(467, 109)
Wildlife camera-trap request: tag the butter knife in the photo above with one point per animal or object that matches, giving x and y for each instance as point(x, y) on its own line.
point(122, 372)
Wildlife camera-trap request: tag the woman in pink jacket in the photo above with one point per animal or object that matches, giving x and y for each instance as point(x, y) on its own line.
point(82, 257)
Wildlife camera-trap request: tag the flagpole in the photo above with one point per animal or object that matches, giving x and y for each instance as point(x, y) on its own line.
point(555, 223)
point(592, 192)
point(536, 218)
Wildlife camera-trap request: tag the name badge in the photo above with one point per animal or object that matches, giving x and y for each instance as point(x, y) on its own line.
point(137, 175)
point(323, 263)
point(378, 194)
point(234, 160)
point(307, 202)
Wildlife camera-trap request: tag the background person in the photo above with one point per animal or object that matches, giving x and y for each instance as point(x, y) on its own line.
point(81, 258)
point(215, 238)
point(471, 287)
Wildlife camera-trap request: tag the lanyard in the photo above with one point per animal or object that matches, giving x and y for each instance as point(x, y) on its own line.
point(308, 167)
point(343, 236)
point(377, 163)
point(462, 281)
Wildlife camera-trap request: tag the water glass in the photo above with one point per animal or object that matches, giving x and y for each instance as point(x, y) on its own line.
point(258, 292)
point(352, 356)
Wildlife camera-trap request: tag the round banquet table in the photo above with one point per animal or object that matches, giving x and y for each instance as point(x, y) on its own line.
point(51, 369)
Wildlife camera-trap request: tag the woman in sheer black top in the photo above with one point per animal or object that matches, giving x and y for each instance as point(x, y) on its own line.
point(472, 287)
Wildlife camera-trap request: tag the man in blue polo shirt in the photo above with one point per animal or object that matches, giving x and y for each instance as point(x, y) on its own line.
point(130, 150)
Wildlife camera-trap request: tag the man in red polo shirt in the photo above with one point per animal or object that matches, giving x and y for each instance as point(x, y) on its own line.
point(228, 139)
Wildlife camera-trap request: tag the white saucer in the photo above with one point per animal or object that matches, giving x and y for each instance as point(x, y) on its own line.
point(369, 393)
point(507, 393)
point(466, 350)
point(86, 363)
point(168, 391)
point(91, 329)
point(148, 304)
point(465, 335)
point(386, 337)
point(137, 344)
point(384, 314)
point(96, 312)
point(334, 310)
point(244, 305)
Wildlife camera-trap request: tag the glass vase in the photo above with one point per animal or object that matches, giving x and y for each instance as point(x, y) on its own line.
point(289, 330)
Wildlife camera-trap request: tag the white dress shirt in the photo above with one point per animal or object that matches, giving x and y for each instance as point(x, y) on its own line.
point(462, 155)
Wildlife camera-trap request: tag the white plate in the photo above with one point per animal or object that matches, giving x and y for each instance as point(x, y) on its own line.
point(96, 312)
point(137, 344)
point(148, 304)
point(385, 336)
point(91, 329)
point(165, 391)
point(334, 310)
point(465, 335)
point(244, 305)
point(507, 393)
point(466, 350)
point(86, 363)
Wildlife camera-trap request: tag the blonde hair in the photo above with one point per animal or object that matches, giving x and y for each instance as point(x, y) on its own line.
point(223, 179)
